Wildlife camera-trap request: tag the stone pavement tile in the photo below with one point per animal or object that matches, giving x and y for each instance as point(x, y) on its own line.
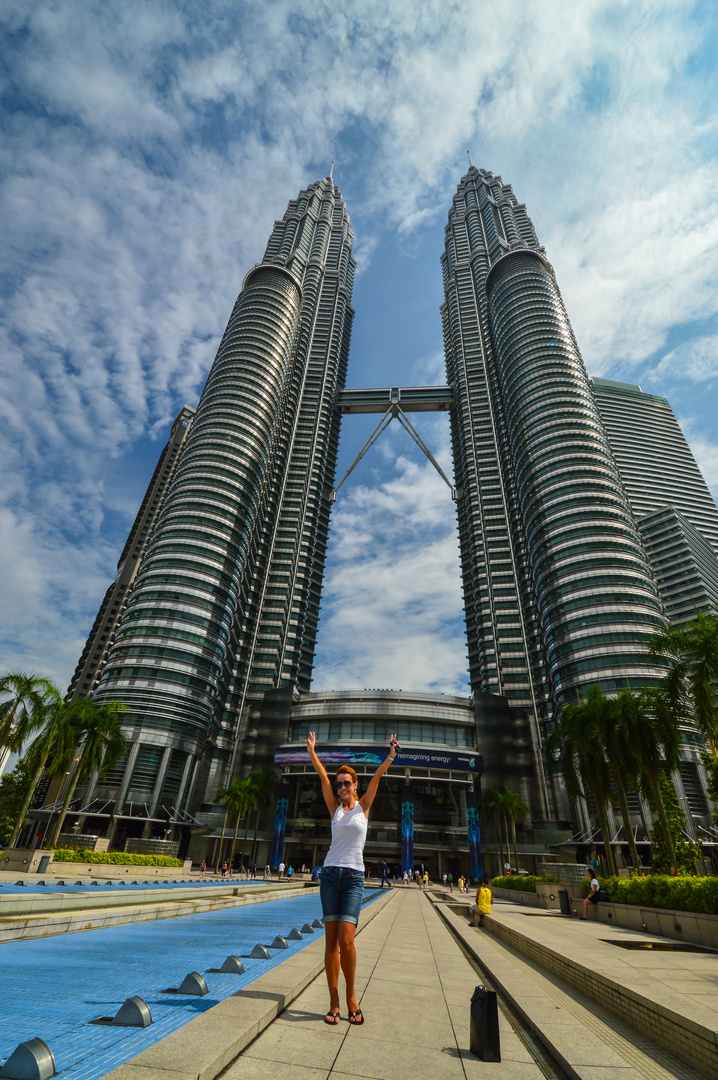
point(388, 989)
point(390, 1026)
point(507, 1070)
point(286, 1045)
point(402, 977)
point(580, 1046)
point(256, 1069)
point(140, 1072)
point(386, 1061)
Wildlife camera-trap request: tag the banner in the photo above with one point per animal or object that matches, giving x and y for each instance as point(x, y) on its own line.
point(476, 861)
point(429, 758)
point(407, 830)
point(280, 824)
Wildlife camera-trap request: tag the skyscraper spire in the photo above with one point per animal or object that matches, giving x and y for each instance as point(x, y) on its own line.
point(331, 171)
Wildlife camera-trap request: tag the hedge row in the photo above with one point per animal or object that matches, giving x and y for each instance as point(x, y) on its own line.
point(682, 893)
point(113, 858)
point(518, 882)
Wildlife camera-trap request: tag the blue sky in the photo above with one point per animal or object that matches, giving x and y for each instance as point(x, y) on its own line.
point(147, 148)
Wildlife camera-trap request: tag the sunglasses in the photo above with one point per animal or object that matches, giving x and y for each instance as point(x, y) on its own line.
point(344, 783)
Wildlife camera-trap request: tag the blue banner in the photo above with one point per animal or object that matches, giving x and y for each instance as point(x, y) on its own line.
point(476, 861)
point(407, 831)
point(430, 757)
point(280, 824)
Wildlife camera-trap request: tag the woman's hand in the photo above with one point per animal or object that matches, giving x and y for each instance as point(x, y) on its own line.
point(394, 747)
point(310, 741)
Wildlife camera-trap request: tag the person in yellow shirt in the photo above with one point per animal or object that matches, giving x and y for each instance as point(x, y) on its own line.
point(483, 903)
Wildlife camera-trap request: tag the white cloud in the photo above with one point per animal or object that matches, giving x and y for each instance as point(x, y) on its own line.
point(148, 148)
point(696, 360)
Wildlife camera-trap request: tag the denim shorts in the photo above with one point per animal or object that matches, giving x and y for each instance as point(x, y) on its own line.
point(341, 893)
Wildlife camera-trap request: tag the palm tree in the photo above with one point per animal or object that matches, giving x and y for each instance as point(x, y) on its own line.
point(265, 785)
point(652, 728)
point(98, 745)
point(620, 751)
point(53, 743)
point(495, 805)
point(576, 748)
point(241, 804)
point(24, 695)
point(693, 651)
point(230, 796)
point(515, 808)
point(250, 805)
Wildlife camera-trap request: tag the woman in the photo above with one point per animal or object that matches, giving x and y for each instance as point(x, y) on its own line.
point(592, 897)
point(342, 884)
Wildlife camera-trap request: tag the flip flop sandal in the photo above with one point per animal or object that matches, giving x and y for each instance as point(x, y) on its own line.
point(353, 1018)
point(332, 1018)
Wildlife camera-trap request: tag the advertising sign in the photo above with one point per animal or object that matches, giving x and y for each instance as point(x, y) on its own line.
point(429, 758)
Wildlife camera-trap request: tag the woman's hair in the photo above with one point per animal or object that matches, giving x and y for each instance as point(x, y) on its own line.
point(349, 771)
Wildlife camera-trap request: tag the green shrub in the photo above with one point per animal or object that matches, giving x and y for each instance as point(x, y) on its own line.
point(676, 893)
point(520, 883)
point(113, 858)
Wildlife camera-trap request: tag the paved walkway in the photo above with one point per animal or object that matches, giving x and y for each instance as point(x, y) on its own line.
point(414, 985)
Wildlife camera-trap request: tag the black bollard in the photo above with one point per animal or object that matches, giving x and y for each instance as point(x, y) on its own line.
point(484, 1028)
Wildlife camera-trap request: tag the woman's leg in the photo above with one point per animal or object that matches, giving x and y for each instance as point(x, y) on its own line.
point(348, 956)
point(331, 961)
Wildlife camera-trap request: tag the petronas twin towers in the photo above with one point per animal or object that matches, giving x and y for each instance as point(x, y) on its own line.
point(224, 608)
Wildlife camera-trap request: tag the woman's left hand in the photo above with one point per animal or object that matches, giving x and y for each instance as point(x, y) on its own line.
point(394, 747)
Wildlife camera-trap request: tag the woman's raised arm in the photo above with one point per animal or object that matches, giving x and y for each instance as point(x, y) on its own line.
point(327, 791)
point(373, 786)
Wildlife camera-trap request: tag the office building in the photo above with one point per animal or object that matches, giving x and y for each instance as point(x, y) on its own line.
point(102, 635)
point(558, 593)
point(226, 600)
point(655, 461)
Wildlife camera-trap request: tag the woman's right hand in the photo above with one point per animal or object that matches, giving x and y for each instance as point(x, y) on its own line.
point(310, 740)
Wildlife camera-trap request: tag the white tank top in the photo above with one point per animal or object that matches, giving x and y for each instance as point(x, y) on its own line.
point(348, 838)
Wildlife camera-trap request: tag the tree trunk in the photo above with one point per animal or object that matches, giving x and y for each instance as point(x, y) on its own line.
point(244, 841)
point(28, 799)
point(57, 827)
point(7, 726)
point(221, 842)
point(603, 825)
point(513, 837)
point(662, 815)
point(505, 837)
point(234, 840)
point(623, 803)
point(254, 838)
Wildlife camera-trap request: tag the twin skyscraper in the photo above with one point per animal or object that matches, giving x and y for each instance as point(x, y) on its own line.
point(217, 597)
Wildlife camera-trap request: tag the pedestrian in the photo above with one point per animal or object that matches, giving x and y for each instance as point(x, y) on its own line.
point(290, 871)
point(426, 879)
point(444, 878)
point(342, 883)
point(254, 871)
point(203, 868)
point(281, 870)
point(460, 883)
point(225, 869)
point(483, 903)
point(267, 872)
point(385, 875)
point(592, 897)
point(451, 882)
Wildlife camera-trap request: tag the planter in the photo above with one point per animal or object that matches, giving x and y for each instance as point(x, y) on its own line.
point(694, 928)
point(528, 899)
